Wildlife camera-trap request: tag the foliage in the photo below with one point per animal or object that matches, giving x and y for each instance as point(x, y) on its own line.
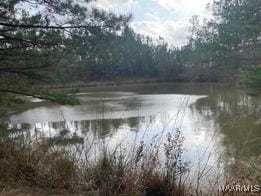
point(115, 57)
point(219, 47)
point(61, 97)
point(37, 46)
point(32, 44)
point(43, 164)
point(251, 78)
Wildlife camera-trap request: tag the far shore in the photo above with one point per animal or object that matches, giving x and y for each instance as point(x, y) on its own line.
point(123, 82)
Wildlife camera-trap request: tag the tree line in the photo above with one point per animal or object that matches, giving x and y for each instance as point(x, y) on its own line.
point(225, 47)
point(66, 41)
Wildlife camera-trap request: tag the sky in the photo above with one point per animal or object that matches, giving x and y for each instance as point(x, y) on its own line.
point(166, 18)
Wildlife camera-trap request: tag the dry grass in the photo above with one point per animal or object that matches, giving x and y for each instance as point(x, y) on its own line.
point(40, 168)
point(43, 166)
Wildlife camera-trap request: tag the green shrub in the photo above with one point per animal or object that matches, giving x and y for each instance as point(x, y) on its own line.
point(62, 98)
point(251, 77)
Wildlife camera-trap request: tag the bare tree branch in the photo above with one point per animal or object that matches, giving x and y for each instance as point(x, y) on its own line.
point(23, 26)
point(26, 94)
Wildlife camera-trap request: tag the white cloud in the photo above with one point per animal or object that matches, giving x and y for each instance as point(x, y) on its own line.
point(171, 24)
point(113, 5)
point(174, 29)
point(186, 7)
point(175, 33)
point(152, 16)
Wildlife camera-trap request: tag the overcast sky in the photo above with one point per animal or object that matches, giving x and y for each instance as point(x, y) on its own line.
point(166, 18)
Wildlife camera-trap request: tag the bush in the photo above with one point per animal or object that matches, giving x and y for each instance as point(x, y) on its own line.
point(251, 78)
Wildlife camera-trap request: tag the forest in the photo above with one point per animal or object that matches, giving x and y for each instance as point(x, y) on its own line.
point(51, 51)
point(93, 45)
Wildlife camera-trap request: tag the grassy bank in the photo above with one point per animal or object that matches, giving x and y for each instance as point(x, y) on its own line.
point(41, 167)
point(48, 168)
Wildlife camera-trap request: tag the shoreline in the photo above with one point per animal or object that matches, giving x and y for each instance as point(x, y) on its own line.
point(108, 83)
point(126, 82)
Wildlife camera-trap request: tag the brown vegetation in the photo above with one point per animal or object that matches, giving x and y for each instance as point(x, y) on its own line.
point(41, 168)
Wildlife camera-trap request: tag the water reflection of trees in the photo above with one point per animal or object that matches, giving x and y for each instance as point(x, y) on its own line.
point(237, 118)
point(69, 132)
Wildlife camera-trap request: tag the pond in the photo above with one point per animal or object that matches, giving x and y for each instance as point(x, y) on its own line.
point(220, 124)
